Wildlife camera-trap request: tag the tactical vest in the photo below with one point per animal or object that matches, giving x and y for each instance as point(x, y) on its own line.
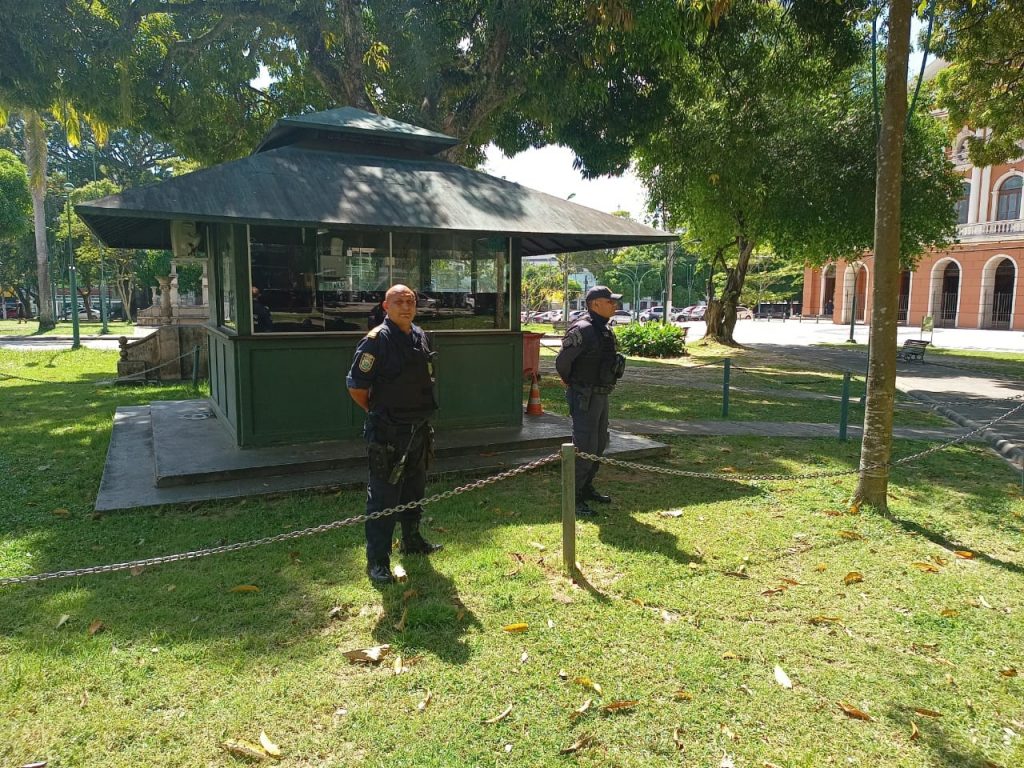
point(409, 397)
point(595, 365)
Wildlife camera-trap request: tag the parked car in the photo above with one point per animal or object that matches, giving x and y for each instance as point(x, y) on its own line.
point(621, 317)
point(744, 313)
point(653, 313)
point(576, 314)
point(686, 313)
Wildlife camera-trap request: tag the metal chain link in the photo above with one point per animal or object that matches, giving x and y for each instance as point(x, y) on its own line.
point(288, 536)
point(807, 476)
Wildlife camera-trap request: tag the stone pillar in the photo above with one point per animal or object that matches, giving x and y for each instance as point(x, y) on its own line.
point(165, 297)
point(175, 298)
point(206, 284)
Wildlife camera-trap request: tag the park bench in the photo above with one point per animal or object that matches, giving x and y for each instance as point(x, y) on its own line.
point(912, 349)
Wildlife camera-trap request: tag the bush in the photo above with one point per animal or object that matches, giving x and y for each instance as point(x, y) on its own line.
point(651, 340)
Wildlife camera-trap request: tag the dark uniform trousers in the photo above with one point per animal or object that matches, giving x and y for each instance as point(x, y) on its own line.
point(589, 413)
point(382, 494)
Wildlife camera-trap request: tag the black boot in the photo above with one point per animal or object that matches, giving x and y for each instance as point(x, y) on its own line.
point(379, 572)
point(592, 494)
point(414, 544)
point(582, 510)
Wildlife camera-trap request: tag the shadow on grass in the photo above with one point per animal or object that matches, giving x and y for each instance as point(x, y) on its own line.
point(931, 736)
point(432, 618)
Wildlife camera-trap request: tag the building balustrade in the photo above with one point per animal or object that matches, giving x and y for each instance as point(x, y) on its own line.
point(1013, 228)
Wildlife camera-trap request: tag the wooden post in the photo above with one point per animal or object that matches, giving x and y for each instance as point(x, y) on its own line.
point(569, 509)
point(725, 388)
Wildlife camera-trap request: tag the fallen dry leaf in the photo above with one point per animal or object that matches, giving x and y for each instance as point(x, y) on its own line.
point(854, 509)
point(400, 575)
point(244, 588)
point(1008, 671)
point(676, 738)
point(851, 535)
point(338, 613)
point(422, 706)
point(789, 581)
point(64, 618)
point(245, 749)
point(730, 656)
point(821, 567)
point(825, 620)
point(586, 682)
point(136, 570)
point(914, 733)
point(853, 577)
point(61, 512)
point(771, 592)
point(983, 602)
point(524, 658)
point(682, 695)
point(581, 709)
point(499, 717)
point(372, 655)
point(926, 712)
point(398, 667)
point(269, 747)
point(671, 513)
point(966, 554)
point(519, 627)
point(949, 613)
point(583, 740)
point(400, 626)
point(851, 711)
point(782, 678)
point(409, 594)
point(620, 705)
point(926, 567)
point(95, 627)
point(538, 546)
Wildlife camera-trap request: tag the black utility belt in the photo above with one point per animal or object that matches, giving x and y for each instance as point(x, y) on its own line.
point(594, 389)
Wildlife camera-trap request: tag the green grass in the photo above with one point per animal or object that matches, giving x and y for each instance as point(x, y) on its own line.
point(184, 663)
point(63, 328)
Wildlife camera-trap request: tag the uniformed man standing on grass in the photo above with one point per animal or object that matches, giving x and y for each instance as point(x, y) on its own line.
point(590, 366)
point(392, 379)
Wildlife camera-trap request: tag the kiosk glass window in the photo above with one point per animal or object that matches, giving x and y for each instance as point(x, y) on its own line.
point(226, 284)
point(334, 279)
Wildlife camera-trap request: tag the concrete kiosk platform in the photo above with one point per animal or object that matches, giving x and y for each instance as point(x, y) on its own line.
point(175, 451)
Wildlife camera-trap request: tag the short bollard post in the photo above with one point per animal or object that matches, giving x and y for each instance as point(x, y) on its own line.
point(569, 509)
point(195, 366)
point(725, 388)
point(844, 408)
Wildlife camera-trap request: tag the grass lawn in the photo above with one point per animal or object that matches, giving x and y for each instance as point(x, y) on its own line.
point(63, 328)
point(687, 613)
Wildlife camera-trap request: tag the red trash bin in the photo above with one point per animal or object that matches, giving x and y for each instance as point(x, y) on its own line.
point(531, 353)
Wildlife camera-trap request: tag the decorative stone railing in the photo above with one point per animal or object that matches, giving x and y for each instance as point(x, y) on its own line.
point(1014, 228)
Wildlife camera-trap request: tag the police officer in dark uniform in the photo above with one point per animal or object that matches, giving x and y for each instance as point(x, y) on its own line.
point(392, 379)
point(590, 366)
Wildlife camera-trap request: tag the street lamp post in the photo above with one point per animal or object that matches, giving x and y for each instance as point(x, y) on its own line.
point(104, 330)
point(76, 341)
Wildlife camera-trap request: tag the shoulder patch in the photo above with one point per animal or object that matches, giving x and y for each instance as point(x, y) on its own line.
point(366, 361)
point(573, 337)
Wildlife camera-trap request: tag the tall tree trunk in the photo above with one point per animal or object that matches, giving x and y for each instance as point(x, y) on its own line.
point(876, 447)
point(721, 313)
point(35, 154)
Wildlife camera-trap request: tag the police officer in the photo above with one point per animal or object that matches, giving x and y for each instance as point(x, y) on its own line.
point(590, 366)
point(392, 379)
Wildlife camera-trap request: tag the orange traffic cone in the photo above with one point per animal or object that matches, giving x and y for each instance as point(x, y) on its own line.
point(533, 406)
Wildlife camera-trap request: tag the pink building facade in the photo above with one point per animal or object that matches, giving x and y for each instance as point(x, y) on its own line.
point(975, 283)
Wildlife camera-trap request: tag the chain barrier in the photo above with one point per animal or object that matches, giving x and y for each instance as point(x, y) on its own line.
point(288, 536)
point(808, 476)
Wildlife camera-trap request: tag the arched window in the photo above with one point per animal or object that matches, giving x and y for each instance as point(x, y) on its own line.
point(963, 205)
point(1008, 206)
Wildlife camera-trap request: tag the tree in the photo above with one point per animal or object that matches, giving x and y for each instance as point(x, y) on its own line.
point(876, 445)
point(542, 283)
point(15, 200)
point(35, 155)
point(983, 86)
point(723, 158)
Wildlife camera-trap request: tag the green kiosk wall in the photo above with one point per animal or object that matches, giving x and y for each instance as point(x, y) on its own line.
point(281, 388)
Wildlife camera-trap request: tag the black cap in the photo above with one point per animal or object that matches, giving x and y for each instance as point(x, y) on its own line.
point(602, 292)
